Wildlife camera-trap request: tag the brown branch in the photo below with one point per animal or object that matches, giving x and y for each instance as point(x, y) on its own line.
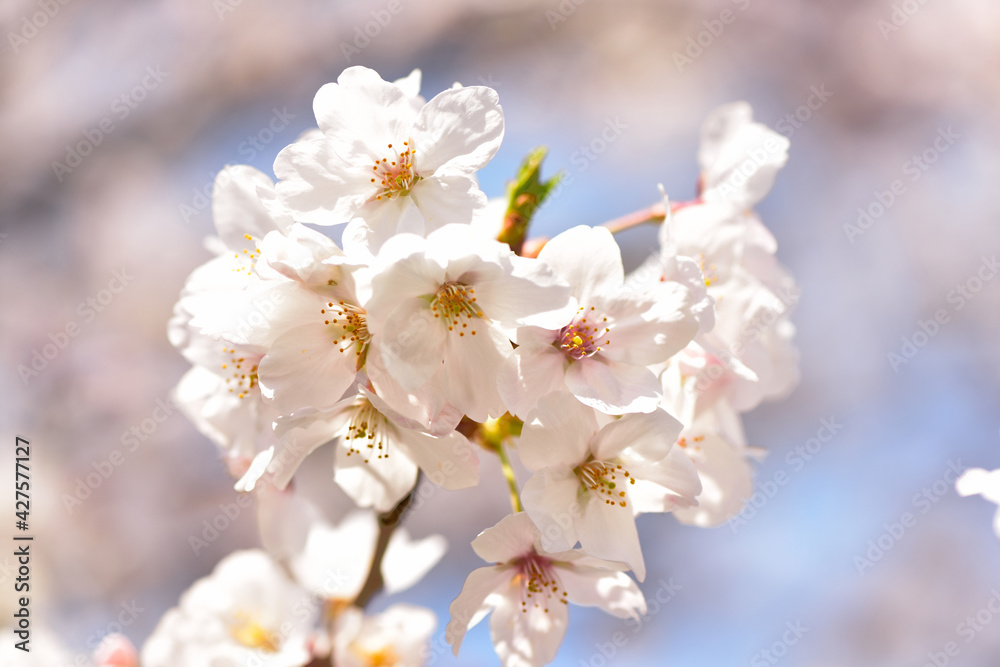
point(388, 522)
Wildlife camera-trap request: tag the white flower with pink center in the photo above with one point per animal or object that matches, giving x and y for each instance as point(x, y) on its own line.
point(442, 310)
point(601, 351)
point(595, 473)
point(979, 482)
point(386, 162)
point(528, 591)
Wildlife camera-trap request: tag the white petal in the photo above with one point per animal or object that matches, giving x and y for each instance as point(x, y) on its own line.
point(447, 199)
point(459, 130)
point(375, 482)
point(976, 481)
point(740, 159)
point(614, 592)
point(651, 327)
point(402, 271)
point(527, 638)
point(648, 436)
point(531, 295)
point(470, 606)
point(298, 438)
point(512, 537)
point(663, 485)
point(557, 433)
point(536, 371)
point(550, 498)
point(410, 84)
point(284, 519)
point(612, 387)
point(361, 107)
point(329, 570)
point(406, 561)
point(471, 365)
point(450, 462)
point(413, 344)
point(317, 185)
point(237, 208)
point(306, 368)
point(588, 258)
point(608, 531)
point(378, 221)
point(726, 479)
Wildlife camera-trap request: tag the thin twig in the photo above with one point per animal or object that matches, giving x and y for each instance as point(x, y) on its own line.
point(655, 213)
point(508, 473)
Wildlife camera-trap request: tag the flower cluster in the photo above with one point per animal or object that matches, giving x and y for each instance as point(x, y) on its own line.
point(434, 334)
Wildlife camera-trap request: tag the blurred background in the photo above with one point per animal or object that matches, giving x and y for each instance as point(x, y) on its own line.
point(115, 117)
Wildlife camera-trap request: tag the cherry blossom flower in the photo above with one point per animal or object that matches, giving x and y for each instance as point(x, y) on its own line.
point(221, 393)
point(528, 590)
point(378, 452)
point(444, 307)
point(317, 341)
point(979, 482)
point(593, 477)
point(246, 612)
point(738, 157)
point(748, 354)
point(387, 164)
point(723, 469)
point(397, 636)
point(601, 351)
point(336, 574)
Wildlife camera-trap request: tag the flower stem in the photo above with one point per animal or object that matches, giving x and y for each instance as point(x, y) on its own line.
point(655, 213)
point(387, 524)
point(508, 473)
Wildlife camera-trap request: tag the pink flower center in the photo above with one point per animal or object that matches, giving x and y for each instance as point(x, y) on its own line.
point(539, 585)
point(582, 338)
